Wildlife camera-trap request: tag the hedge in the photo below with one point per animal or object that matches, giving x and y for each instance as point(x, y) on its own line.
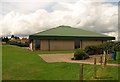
point(26, 44)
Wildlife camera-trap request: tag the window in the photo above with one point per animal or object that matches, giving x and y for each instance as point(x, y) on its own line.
point(77, 44)
point(37, 44)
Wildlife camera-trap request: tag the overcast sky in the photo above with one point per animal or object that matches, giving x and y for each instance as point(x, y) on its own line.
point(25, 17)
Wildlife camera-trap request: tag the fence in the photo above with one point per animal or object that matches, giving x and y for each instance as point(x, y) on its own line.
point(103, 62)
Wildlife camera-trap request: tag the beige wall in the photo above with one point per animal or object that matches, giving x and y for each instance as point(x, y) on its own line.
point(104, 41)
point(91, 42)
point(44, 45)
point(61, 44)
point(52, 45)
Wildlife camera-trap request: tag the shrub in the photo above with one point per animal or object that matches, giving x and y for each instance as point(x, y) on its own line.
point(117, 46)
point(4, 39)
point(91, 50)
point(12, 42)
point(26, 44)
point(99, 49)
point(110, 46)
point(80, 54)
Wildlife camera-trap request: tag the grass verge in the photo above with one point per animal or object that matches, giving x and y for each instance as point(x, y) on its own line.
point(22, 64)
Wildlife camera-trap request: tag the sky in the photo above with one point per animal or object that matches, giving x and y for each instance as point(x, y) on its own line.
point(25, 17)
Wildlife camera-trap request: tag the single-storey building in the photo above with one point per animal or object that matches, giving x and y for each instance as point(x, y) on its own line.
point(66, 38)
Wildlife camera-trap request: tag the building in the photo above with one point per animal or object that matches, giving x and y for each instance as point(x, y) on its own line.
point(66, 38)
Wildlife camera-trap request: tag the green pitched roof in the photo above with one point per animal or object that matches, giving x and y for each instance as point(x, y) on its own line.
point(70, 32)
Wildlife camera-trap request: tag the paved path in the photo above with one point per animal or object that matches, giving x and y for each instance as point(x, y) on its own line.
point(67, 58)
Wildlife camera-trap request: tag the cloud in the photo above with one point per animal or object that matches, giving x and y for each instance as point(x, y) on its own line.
point(114, 34)
point(88, 15)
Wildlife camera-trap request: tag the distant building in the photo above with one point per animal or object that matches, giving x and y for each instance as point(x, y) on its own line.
point(23, 40)
point(66, 38)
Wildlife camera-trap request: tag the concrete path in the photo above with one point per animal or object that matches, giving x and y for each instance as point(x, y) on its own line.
point(67, 58)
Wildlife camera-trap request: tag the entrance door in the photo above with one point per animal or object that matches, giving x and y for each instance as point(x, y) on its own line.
point(77, 44)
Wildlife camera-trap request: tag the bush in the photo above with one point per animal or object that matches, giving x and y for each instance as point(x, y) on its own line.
point(117, 46)
point(12, 42)
point(80, 54)
point(91, 50)
point(26, 44)
point(99, 49)
point(5, 39)
point(104, 47)
point(110, 46)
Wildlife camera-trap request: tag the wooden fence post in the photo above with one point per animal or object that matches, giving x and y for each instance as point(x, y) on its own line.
point(95, 69)
point(105, 60)
point(107, 52)
point(81, 72)
point(101, 60)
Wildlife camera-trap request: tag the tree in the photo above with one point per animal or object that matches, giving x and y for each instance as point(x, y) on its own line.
point(12, 36)
point(16, 37)
point(5, 39)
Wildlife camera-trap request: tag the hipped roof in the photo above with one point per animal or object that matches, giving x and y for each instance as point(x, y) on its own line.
point(69, 32)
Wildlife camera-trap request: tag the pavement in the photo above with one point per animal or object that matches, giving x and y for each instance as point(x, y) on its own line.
point(67, 58)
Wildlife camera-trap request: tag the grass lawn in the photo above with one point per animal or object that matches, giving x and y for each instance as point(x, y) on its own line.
point(117, 61)
point(22, 64)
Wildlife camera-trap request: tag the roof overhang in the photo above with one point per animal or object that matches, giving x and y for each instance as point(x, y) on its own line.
point(71, 37)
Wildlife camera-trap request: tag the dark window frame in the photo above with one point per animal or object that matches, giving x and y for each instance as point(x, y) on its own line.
point(37, 44)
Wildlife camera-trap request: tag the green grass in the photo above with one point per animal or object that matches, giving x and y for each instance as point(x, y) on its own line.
point(107, 72)
point(21, 64)
point(117, 61)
